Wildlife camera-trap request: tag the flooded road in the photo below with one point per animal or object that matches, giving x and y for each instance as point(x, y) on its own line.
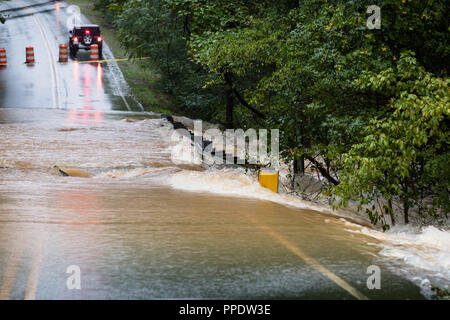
point(143, 227)
point(47, 83)
point(133, 234)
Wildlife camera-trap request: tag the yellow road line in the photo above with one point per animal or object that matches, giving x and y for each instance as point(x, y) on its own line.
point(32, 283)
point(52, 78)
point(114, 60)
point(76, 61)
point(52, 65)
point(33, 277)
point(10, 273)
point(314, 263)
point(52, 68)
point(310, 261)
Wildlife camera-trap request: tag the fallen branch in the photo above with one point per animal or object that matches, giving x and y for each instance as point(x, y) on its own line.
point(323, 171)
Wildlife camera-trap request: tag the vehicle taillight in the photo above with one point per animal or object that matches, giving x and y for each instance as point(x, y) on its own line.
point(88, 32)
point(75, 39)
point(99, 39)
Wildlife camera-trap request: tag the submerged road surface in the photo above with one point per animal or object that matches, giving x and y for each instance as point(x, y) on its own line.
point(139, 228)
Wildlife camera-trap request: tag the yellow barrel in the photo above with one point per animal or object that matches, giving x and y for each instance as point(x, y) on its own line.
point(269, 179)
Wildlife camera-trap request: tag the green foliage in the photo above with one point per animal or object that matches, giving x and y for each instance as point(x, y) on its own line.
point(372, 103)
point(404, 153)
point(152, 29)
point(440, 294)
point(109, 8)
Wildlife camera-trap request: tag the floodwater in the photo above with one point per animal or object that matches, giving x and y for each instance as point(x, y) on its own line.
point(134, 234)
point(145, 226)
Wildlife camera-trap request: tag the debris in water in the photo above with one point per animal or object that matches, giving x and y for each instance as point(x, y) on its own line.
point(71, 172)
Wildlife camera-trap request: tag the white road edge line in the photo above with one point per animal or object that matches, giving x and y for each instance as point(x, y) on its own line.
point(120, 91)
point(53, 61)
point(53, 73)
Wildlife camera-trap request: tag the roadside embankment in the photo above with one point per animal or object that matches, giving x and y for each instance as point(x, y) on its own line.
point(310, 187)
point(142, 81)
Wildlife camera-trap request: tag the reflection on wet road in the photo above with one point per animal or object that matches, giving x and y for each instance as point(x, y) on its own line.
point(132, 233)
point(134, 236)
point(48, 83)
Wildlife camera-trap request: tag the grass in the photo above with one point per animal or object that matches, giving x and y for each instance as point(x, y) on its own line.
point(140, 78)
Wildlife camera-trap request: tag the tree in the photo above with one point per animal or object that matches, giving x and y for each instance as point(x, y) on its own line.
point(312, 69)
point(405, 154)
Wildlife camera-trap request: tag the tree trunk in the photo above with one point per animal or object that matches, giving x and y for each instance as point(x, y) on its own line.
point(391, 212)
point(406, 212)
point(256, 113)
point(299, 165)
point(405, 201)
point(323, 171)
point(229, 101)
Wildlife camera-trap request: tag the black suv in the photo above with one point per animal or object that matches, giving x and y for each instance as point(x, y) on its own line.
point(82, 37)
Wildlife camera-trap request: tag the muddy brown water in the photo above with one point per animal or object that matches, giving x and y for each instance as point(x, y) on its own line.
point(143, 226)
point(135, 236)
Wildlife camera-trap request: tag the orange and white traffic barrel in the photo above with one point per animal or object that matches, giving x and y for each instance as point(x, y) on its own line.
point(63, 53)
point(94, 52)
point(29, 55)
point(3, 61)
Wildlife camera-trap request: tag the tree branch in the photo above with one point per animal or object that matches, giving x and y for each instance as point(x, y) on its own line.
point(323, 171)
point(241, 99)
point(245, 104)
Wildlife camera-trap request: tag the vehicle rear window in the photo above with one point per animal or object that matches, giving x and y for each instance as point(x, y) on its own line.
point(94, 31)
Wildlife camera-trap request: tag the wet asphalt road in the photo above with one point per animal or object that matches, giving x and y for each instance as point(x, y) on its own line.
point(131, 234)
point(48, 83)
